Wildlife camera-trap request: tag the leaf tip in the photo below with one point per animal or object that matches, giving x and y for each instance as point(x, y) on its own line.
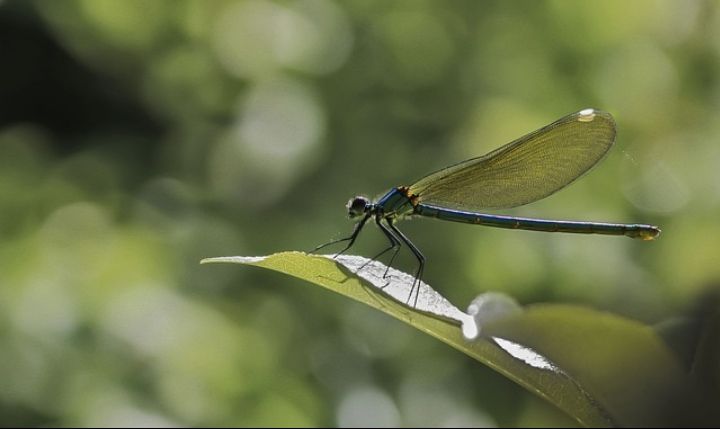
point(249, 260)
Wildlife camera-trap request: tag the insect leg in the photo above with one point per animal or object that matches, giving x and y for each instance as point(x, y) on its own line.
point(356, 231)
point(394, 244)
point(418, 254)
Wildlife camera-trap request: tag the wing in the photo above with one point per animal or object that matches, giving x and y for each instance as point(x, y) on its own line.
point(525, 170)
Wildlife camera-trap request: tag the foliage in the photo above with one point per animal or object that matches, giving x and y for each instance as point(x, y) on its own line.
point(601, 369)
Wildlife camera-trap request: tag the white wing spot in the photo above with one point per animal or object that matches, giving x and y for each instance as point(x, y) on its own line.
point(586, 115)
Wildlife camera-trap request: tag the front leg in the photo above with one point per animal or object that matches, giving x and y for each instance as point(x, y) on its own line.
point(356, 231)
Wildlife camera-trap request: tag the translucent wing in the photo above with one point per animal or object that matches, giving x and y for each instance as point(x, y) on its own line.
point(525, 170)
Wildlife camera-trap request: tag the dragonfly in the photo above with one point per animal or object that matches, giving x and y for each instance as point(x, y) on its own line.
point(523, 171)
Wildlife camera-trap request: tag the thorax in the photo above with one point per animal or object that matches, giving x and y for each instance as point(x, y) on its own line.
point(395, 203)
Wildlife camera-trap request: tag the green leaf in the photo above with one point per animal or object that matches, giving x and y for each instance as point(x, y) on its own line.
point(601, 369)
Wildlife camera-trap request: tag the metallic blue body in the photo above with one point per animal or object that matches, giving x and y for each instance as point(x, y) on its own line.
point(512, 222)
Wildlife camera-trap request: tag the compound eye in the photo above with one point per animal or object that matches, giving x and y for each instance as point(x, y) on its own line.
point(357, 206)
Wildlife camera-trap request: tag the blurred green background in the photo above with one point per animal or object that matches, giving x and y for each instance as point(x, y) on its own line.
point(137, 137)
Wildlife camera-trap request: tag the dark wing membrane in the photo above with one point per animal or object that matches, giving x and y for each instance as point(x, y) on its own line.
point(525, 170)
